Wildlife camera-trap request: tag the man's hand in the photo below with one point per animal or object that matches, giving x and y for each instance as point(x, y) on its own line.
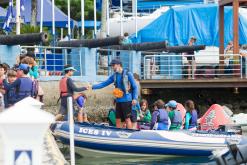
point(134, 102)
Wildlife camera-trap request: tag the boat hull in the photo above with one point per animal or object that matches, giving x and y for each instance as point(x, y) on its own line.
point(112, 141)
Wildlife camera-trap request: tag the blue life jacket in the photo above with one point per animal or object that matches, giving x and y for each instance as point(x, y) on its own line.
point(177, 119)
point(162, 120)
point(11, 96)
point(193, 119)
point(125, 82)
point(25, 89)
point(163, 116)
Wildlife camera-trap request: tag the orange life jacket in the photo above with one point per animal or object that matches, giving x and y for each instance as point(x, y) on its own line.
point(63, 86)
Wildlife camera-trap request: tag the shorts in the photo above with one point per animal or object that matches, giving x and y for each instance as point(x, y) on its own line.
point(123, 110)
point(190, 58)
point(63, 106)
point(133, 116)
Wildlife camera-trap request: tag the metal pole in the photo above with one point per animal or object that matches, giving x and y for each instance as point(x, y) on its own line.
point(95, 18)
point(136, 18)
point(81, 61)
point(108, 18)
point(18, 16)
point(71, 130)
point(53, 21)
point(69, 30)
point(41, 15)
point(82, 19)
point(121, 17)
point(45, 62)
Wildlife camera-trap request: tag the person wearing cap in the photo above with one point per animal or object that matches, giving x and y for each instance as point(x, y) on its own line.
point(67, 89)
point(23, 84)
point(191, 59)
point(174, 115)
point(126, 92)
point(160, 119)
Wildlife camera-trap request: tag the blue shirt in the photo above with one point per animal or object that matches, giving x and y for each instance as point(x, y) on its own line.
point(127, 96)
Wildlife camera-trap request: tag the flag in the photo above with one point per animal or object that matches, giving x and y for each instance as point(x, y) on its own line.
point(22, 5)
point(9, 16)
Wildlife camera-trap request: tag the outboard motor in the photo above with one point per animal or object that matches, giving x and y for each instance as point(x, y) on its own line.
point(235, 154)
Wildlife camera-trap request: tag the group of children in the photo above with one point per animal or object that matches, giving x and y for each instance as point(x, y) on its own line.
point(163, 117)
point(19, 82)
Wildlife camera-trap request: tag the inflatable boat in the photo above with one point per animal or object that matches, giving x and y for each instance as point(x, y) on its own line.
point(98, 139)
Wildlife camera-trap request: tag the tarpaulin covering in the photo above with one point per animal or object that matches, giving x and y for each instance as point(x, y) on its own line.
point(155, 4)
point(214, 117)
point(61, 19)
point(90, 24)
point(178, 24)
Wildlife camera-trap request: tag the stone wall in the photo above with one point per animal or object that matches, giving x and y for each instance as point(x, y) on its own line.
point(99, 101)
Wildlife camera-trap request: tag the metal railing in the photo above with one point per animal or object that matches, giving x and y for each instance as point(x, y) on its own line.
point(166, 66)
point(51, 60)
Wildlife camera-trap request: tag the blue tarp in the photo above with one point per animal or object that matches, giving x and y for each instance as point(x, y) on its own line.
point(155, 4)
point(90, 24)
point(178, 24)
point(60, 17)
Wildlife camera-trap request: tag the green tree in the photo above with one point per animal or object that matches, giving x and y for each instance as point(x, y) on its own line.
point(75, 6)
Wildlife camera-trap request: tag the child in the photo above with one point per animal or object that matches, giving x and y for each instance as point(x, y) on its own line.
point(145, 115)
point(160, 119)
point(81, 100)
point(135, 115)
point(174, 115)
point(11, 93)
point(191, 116)
point(112, 115)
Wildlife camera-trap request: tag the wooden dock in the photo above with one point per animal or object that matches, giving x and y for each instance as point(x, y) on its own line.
point(195, 83)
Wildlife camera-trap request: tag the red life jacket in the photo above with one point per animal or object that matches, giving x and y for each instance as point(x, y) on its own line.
point(63, 87)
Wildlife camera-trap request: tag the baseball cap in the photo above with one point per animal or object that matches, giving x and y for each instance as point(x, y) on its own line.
point(115, 61)
point(23, 67)
point(171, 103)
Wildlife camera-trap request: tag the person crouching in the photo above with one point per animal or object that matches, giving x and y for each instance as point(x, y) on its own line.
point(160, 118)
